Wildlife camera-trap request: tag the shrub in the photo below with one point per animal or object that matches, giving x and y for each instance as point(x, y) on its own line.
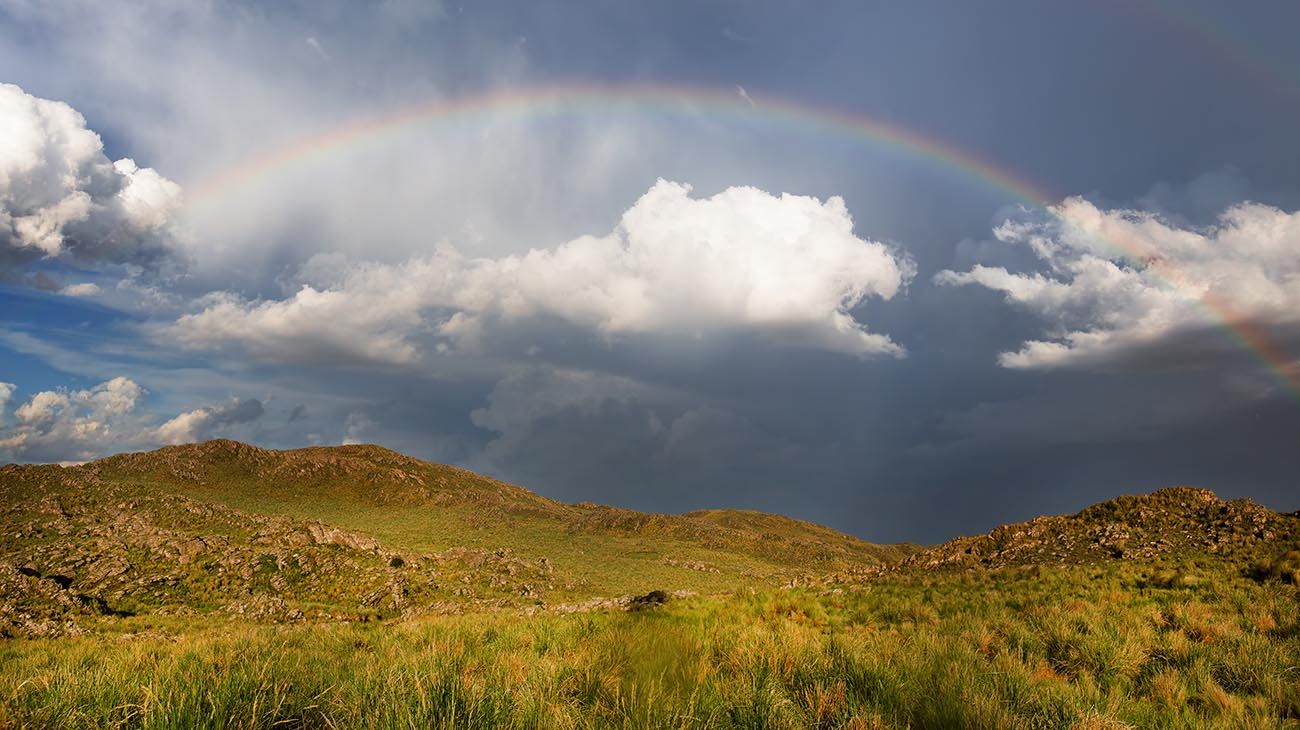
point(650, 600)
point(1285, 567)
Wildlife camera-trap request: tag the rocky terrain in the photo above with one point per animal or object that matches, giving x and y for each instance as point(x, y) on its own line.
point(1171, 521)
point(227, 529)
point(107, 550)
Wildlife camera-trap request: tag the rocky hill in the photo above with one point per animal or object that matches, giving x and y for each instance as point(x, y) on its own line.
point(374, 479)
point(107, 549)
point(1167, 522)
point(353, 533)
point(1167, 525)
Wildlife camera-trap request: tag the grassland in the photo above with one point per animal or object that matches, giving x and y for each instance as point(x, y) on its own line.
point(1089, 647)
point(223, 586)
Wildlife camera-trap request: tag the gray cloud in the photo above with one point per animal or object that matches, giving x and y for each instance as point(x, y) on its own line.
point(358, 428)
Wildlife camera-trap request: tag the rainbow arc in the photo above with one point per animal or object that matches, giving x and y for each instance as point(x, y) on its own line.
point(591, 99)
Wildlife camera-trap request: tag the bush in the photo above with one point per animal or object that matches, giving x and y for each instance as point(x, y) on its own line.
point(649, 600)
point(1285, 567)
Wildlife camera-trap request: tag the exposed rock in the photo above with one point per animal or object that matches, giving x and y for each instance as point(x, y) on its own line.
point(106, 568)
point(621, 603)
point(36, 606)
point(691, 565)
point(262, 607)
point(53, 506)
point(325, 535)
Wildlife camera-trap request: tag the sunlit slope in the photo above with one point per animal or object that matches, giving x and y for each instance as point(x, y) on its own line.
point(408, 504)
point(1173, 522)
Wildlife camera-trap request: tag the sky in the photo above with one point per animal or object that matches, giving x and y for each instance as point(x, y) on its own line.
point(910, 270)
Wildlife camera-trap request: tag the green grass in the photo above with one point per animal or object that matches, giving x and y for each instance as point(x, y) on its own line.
point(600, 562)
point(1103, 647)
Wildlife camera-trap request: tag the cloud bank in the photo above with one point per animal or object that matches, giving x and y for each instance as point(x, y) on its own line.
point(786, 268)
point(77, 425)
point(72, 424)
point(1121, 284)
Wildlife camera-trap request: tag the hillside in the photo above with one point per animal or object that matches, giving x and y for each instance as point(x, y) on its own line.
point(355, 532)
point(1168, 527)
point(1168, 523)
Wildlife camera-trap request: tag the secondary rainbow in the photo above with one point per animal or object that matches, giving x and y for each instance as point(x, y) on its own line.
point(1214, 40)
point(588, 99)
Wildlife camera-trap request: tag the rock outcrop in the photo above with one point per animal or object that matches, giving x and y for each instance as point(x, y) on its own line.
point(1168, 521)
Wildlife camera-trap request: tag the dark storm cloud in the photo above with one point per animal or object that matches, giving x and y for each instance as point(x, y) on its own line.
point(240, 411)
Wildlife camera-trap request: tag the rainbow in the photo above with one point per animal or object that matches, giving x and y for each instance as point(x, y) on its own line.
point(595, 99)
point(734, 103)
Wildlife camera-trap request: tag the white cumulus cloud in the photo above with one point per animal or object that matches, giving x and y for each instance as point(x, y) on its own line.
point(77, 425)
point(198, 424)
point(61, 424)
point(6, 393)
point(60, 196)
point(84, 289)
point(787, 268)
point(1121, 283)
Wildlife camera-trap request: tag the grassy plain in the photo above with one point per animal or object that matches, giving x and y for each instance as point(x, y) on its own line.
point(1194, 642)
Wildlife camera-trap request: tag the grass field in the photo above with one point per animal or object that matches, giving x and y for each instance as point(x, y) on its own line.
point(1193, 643)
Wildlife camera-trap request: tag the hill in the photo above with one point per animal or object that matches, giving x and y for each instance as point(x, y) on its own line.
point(355, 532)
point(1168, 527)
point(1168, 523)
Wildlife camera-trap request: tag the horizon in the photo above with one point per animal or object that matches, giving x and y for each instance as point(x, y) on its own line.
point(907, 272)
